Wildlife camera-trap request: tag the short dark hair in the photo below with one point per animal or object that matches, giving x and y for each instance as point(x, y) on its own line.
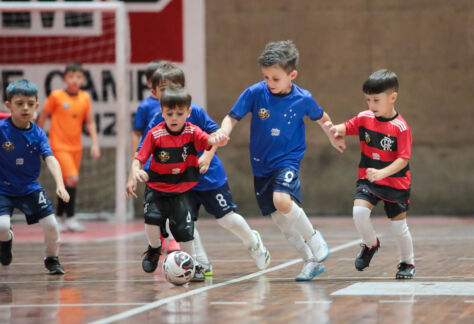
point(174, 97)
point(168, 72)
point(21, 88)
point(381, 81)
point(151, 67)
point(73, 67)
point(281, 53)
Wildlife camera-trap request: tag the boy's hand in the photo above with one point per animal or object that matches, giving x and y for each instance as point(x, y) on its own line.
point(375, 175)
point(141, 176)
point(338, 143)
point(131, 188)
point(95, 152)
point(63, 194)
point(331, 128)
point(204, 163)
point(218, 138)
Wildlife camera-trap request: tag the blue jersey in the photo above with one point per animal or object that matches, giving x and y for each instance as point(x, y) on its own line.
point(277, 130)
point(145, 112)
point(215, 176)
point(20, 157)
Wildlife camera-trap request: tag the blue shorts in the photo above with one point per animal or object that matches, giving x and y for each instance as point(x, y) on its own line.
point(35, 206)
point(217, 202)
point(283, 180)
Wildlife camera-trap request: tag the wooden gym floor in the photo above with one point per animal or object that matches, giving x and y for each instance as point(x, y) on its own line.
point(104, 282)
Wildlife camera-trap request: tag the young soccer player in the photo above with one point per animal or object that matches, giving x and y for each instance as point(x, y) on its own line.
point(23, 144)
point(384, 173)
point(174, 170)
point(148, 108)
point(69, 108)
point(277, 145)
point(212, 190)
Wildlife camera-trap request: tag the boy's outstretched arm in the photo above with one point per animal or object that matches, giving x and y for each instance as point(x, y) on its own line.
point(392, 168)
point(131, 186)
point(92, 128)
point(227, 125)
point(138, 174)
point(55, 170)
point(205, 159)
point(336, 141)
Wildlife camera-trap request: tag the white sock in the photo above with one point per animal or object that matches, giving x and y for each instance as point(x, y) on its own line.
point(170, 235)
point(300, 221)
point(5, 235)
point(153, 235)
point(189, 248)
point(361, 216)
point(292, 236)
point(237, 225)
point(402, 235)
point(201, 255)
point(51, 235)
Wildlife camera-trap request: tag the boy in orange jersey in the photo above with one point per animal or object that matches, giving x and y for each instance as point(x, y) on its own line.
point(69, 108)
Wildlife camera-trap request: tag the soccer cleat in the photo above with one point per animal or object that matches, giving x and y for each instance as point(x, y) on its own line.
point(172, 246)
point(53, 265)
point(208, 270)
point(6, 254)
point(362, 260)
point(151, 258)
point(311, 269)
point(405, 271)
point(73, 225)
point(319, 247)
point(260, 253)
point(198, 273)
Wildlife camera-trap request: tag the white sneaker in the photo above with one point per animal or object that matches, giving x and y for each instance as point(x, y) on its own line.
point(73, 225)
point(319, 247)
point(310, 269)
point(260, 254)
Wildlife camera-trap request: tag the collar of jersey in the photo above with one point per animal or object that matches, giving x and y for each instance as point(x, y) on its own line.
point(175, 133)
point(386, 119)
point(281, 95)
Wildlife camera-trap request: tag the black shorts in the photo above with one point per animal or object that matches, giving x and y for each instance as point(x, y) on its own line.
point(392, 209)
point(160, 206)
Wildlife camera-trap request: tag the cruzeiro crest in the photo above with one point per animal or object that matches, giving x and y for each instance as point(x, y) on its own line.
point(164, 156)
point(263, 113)
point(8, 146)
point(386, 143)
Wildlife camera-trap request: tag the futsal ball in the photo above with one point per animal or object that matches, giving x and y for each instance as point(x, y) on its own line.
point(178, 267)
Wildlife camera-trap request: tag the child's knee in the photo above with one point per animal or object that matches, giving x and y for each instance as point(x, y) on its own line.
point(359, 212)
point(282, 202)
point(50, 229)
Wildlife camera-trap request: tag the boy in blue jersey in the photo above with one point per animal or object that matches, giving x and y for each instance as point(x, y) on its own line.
point(145, 112)
point(212, 190)
point(277, 145)
point(23, 144)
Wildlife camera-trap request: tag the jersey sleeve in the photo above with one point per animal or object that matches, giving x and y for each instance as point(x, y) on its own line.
point(201, 139)
point(50, 103)
point(44, 144)
point(153, 122)
point(205, 122)
point(404, 144)
point(243, 105)
point(146, 148)
point(314, 111)
point(352, 126)
point(139, 123)
point(88, 107)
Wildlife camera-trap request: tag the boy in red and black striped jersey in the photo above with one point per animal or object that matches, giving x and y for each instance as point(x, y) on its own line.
point(174, 145)
point(384, 173)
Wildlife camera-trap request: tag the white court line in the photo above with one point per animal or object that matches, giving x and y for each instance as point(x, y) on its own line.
point(193, 292)
point(313, 302)
point(388, 301)
point(70, 305)
point(465, 259)
point(228, 303)
point(469, 301)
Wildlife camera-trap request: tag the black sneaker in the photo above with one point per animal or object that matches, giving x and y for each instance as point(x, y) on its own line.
point(365, 255)
point(6, 251)
point(405, 271)
point(198, 273)
point(53, 265)
point(150, 261)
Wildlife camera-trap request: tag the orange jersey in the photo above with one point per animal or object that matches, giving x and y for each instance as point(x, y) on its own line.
point(67, 116)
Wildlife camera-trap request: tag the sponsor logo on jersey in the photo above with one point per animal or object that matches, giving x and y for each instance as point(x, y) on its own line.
point(386, 143)
point(66, 105)
point(8, 146)
point(263, 113)
point(275, 132)
point(375, 156)
point(164, 156)
point(20, 161)
point(367, 138)
point(176, 171)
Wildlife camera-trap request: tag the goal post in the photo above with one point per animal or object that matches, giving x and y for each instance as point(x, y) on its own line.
point(38, 47)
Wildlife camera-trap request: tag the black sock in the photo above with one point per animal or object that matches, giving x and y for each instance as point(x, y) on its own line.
point(72, 201)
point(60, 208)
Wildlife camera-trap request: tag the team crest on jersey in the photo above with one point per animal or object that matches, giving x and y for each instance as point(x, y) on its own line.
point(263, 113)
point(8, 146)
point(386, 143)
point(367, 138)
point(66, 105)
point(164, 156)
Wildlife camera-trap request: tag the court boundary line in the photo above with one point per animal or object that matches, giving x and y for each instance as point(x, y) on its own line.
point(158, 303)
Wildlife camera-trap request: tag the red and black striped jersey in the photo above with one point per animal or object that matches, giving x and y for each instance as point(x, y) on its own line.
point(174, 165)
point(382, 141)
